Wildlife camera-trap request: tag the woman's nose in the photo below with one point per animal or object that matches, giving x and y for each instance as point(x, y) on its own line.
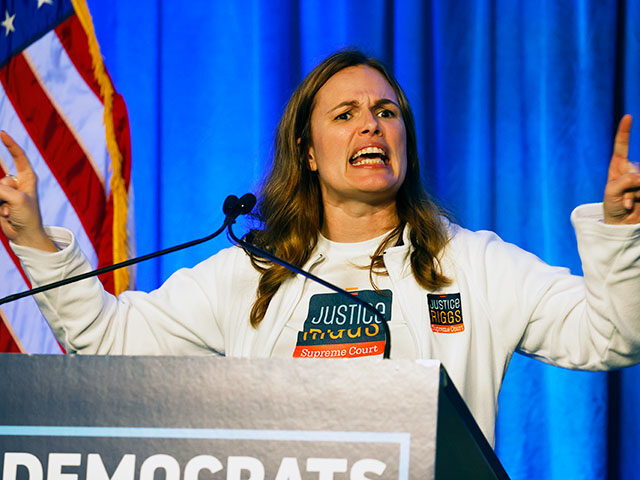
point(370, 125)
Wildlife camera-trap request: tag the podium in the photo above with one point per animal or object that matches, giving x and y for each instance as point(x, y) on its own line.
point(129, 418)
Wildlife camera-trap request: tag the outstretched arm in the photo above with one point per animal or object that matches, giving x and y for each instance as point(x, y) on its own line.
point(622, 194)
point(20, 218)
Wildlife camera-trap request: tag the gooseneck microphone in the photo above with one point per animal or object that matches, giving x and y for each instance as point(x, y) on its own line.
point(244, 206)
point(231, 208)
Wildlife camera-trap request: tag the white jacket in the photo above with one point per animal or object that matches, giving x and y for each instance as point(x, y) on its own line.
point(511, 300)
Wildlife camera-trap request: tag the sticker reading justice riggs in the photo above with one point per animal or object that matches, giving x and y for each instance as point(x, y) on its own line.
point(445, 311)
point(337, 328)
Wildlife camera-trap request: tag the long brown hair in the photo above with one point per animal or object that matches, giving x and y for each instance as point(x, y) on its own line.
point(290, 208)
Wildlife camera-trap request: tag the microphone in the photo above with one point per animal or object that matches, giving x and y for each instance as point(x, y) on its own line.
point(244, 205)
point(229, 205)
point(247, 202)
point(232, 208)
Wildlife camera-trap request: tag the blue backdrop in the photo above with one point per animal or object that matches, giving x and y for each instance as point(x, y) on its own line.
point(516, 105)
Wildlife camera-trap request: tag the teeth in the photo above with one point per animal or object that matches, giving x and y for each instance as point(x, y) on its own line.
point(368, 161)
point(369, 150)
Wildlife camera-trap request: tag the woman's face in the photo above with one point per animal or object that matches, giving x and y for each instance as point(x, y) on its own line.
point(358, 139)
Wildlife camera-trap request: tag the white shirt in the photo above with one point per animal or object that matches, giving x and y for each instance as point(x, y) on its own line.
point(326, 325)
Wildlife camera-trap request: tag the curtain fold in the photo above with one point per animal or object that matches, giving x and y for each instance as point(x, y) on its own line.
point(516, 105)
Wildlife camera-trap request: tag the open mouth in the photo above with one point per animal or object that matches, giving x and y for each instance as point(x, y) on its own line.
point(370, 156)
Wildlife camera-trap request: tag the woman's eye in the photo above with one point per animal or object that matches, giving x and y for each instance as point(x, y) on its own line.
point(344, 116)
point(386, 113)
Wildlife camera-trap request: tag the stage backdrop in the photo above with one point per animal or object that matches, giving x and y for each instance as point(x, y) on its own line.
point(516, 106)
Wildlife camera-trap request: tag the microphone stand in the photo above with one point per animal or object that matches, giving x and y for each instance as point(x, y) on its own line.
point(16, 296)
point(271, 257)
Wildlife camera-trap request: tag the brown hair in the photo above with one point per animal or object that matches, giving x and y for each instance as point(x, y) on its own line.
point(290, 207)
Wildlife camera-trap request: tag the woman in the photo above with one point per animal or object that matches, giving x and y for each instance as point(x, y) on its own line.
point(344, 200)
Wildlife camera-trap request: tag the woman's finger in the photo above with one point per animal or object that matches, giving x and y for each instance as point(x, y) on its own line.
point(619, 164)
point(9, 180)
point(628, 199)
point(19, 158)
point(621, 142)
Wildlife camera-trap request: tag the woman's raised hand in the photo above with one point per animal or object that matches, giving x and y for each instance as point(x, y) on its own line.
point(622, 193)
point(20, 218)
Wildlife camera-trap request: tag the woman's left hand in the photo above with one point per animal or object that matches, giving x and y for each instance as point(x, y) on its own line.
point(622, 194)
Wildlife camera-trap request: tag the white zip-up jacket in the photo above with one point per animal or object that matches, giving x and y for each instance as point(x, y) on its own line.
point(510, 299)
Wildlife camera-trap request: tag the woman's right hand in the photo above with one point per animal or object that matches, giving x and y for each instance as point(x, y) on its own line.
point(20, 218)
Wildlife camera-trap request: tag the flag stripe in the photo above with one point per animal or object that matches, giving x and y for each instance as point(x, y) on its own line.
point(9, 343)
point(121, 125)
point(71, 34)
point(51, 135)
point(71, 95)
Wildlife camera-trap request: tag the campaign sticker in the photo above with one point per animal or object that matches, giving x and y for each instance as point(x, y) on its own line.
point(338, 328)
point(445, 312)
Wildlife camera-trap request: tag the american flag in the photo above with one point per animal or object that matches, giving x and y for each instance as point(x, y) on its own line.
point(58, 102)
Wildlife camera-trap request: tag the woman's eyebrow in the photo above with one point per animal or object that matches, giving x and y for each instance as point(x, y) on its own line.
point(385, 101)
point(348, 103)
point(354, 103)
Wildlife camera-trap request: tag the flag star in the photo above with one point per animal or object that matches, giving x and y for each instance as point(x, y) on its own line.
point(42, 2)
point(8, 23)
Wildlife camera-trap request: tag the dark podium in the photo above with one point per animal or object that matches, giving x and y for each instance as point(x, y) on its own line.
point(175, 418)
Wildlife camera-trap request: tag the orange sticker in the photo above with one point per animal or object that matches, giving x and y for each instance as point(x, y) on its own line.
point(339, 350)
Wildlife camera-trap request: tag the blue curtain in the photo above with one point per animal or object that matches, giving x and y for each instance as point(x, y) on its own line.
point(516, 105)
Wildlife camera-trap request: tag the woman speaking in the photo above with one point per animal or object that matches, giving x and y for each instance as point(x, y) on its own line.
point(343, 200)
